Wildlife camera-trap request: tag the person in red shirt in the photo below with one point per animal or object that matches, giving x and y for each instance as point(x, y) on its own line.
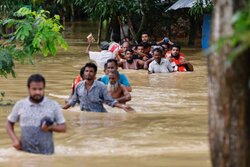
point(177, 59)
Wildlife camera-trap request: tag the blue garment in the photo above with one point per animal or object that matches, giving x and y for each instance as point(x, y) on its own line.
point(93, 99)
point(122, 80)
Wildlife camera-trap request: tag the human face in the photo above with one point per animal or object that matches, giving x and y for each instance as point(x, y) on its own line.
point(157, 57)
point(112, 78)
point(125, 46)
point(140, 49)
point(89, 73)
point(111, 66)
point(175, 51)
point(36, 91)
point(129, 55)
point(144, 37)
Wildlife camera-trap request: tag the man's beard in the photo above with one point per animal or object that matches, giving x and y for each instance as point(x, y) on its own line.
point(36, 100)
point(130, 61)
point(112, 87)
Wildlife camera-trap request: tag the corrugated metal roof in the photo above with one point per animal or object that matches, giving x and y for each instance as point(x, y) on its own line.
point(183, 4)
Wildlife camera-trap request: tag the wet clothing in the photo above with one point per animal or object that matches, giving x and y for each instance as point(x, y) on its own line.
point(101, 57)
point(93, 99)
point(122, 80)
point(163, 67)
point(30, 115)
point(177, 61)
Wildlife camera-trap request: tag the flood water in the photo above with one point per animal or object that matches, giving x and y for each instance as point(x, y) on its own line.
point(169, 128)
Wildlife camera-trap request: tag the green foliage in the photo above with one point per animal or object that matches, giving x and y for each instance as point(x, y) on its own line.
point(34, 32)
point(201, 7)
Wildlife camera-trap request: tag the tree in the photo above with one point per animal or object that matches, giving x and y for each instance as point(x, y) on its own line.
point(229, 90)
point(34, 32)
point(139, 15)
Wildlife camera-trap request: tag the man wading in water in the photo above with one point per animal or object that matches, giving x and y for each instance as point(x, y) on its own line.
point(117, 90)
point(39, 117)
point(91, 93)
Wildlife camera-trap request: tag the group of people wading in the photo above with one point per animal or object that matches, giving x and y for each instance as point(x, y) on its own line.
point(39, 116)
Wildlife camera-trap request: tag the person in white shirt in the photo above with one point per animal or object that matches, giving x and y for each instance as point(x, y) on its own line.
point(159, 64)
point(100, 57)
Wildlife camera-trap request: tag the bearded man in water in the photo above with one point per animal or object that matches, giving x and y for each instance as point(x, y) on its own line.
point(117, 90)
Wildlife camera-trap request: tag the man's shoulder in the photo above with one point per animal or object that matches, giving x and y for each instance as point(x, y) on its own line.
point(99, 83)
point(22, 101)
point(49, 101)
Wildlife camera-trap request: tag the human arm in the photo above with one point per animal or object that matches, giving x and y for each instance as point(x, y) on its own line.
point(166, 40)
point(88, 47)
point(146, 64)
point(126, 95)
point(55, 127)
point(124, 107)
point(10, 130)
point(169, 66)
point(72, 101)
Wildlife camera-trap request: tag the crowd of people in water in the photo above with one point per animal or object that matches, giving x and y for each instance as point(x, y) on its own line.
point(156, 57)
point(39, 116)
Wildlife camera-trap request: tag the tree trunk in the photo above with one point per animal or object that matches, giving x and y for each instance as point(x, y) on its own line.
point(229, 95)
point(109, 29)
point(131, 28)
point(72, 17)
point(99, 30)
point(116, 26)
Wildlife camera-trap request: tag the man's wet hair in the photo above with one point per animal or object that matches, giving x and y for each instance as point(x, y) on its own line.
point(36, 78)
point(89, 65)
point(145, 45)
point(139, 45)
point(158, 50)
point(176, 46)
point(145, 32)
point(116, 73)
point(129, 50)
point(112, 60)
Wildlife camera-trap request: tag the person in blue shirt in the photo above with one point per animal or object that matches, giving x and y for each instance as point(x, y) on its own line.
point(111, 66)
point(91, 93)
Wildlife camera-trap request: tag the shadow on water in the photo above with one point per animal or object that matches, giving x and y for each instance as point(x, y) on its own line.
point(169, 128)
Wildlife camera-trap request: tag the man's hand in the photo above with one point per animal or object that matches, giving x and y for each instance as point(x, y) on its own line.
point(128, 108)
point(46, 128)
point(17, 144)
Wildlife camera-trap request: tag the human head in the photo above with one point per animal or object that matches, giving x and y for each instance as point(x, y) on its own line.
point(113, 76)
point(145, 37)
point(104, 45)
point(157, 54)
point(88, 71)
point(125, 46)
point(111, 65)
point(36, 86)
point(140, 48)
point(147, 47)
point(175, 51)
point(129, 55)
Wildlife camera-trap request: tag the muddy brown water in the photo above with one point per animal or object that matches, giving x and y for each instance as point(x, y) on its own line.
point(169, 128)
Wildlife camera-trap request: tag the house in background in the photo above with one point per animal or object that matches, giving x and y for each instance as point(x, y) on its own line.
point(206, 25)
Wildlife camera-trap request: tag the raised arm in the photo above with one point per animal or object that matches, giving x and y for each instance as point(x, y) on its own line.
point(88, 47)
